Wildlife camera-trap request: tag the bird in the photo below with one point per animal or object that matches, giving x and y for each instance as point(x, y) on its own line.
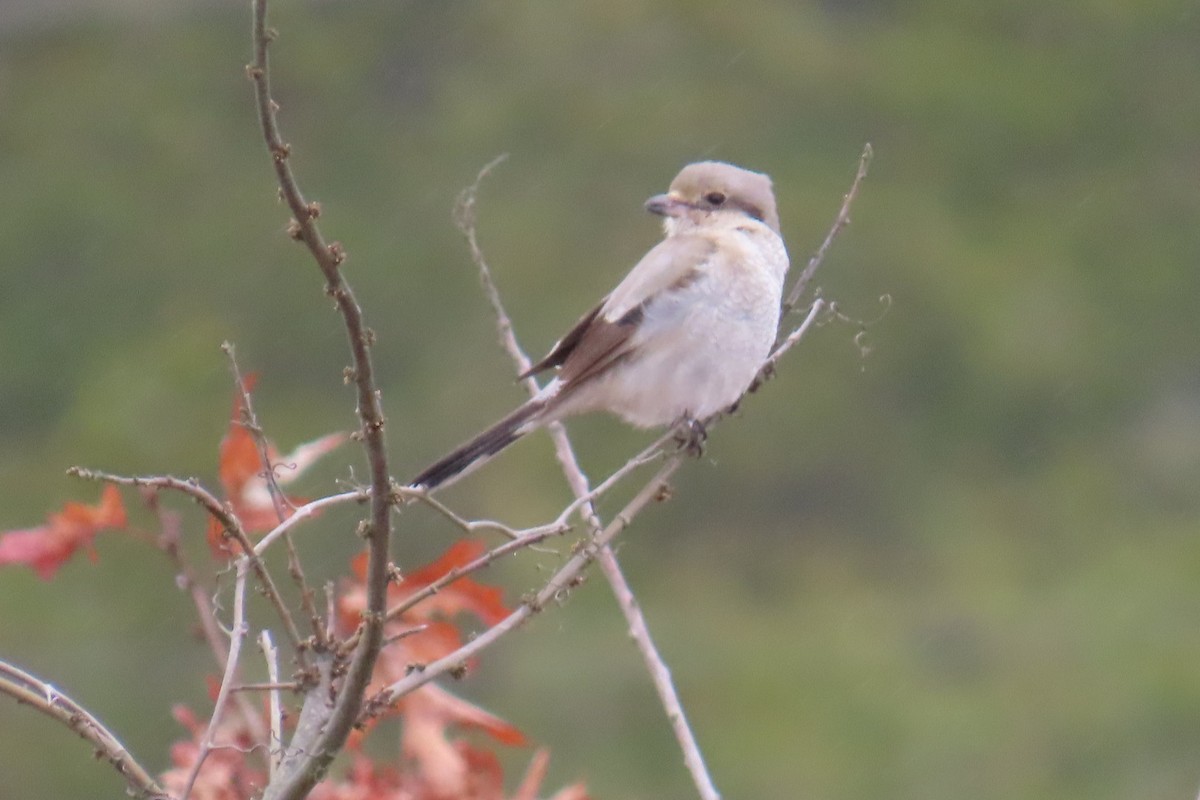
point(680, 338)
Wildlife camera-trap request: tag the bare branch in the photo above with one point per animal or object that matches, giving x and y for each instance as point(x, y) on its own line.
point(639, 631)
point(28, 690)
point(792, 338)
point(228, 520)
point(315, 713)
point(473, 526)
point(275, 708)
point(467, 222)
point(559, 524)
point(297, 776)
point(238, 628)
point(404, 634)
point(308, 511)
point(268, 686)
point(660, 675)
point(169, 541)
point(839, 223)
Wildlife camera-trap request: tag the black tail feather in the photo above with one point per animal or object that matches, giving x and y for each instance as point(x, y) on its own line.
point(475, 452)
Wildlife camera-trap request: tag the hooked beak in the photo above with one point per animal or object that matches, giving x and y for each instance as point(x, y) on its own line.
point(667, 205)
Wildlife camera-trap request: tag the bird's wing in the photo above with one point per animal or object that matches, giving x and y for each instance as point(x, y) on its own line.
point(672, 261)
point(603, 335)
point(564, 346)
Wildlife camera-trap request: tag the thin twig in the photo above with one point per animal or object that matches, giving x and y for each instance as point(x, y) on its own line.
point(466, 221)
point(228, 520)
point(639, 631)
point(523, 539)
point(404, 634)
point(511, 546)
point(792, 338)
point(839, 223)
point(331, 616)
point(41, 696)
point(279, 500)
point(274, 702)
point(238, 628)
point(249, 421)
point(307, 511)
point(473, 526)
point(268, 686)
point(660, 675)
point(169, 541)
point(559, 524)
point(298, 776)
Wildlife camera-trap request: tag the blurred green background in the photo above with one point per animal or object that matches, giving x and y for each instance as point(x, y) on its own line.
point(960, 561)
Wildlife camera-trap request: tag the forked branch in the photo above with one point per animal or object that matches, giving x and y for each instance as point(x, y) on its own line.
point(563, 580)
point(466, 220)
point(227, 519)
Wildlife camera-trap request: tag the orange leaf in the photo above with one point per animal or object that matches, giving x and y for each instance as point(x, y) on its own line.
point(48, 547)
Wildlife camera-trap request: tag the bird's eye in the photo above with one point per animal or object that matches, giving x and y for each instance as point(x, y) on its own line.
point(714, 198)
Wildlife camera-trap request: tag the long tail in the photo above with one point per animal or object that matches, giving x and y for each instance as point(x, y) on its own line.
point(477, 451)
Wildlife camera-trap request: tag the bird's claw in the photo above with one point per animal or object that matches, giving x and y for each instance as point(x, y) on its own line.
point(765, 374)
point(690, 436)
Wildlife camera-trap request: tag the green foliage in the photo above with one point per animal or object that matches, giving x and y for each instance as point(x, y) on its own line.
point(959, 564)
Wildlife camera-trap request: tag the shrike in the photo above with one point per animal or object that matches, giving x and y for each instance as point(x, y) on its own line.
point(681, 337)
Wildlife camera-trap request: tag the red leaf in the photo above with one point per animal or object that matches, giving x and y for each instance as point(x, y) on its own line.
point(576, 791)
point(535, 773)
point(448, 769)
point(464, 594)
point(461, 595)
point(450, 709)
point(48, 547)
point(439, 638)
point(227, 774)
point(445, 767)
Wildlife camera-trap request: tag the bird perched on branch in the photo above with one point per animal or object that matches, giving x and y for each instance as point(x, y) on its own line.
point(681, 337)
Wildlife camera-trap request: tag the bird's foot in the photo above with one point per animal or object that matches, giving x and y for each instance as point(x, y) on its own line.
point(765, 374)
point(690, 435)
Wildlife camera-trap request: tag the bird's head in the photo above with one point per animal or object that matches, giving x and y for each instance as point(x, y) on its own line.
point(714, 187)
